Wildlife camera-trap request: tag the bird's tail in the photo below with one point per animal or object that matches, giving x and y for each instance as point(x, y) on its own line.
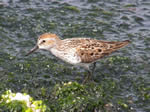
point(118, 45)
point(113, 46)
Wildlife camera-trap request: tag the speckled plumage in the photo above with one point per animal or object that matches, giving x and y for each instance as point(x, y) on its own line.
point(90, 50)
point(77, 51)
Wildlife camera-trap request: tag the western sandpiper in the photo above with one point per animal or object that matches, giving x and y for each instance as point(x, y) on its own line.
point(78, 51)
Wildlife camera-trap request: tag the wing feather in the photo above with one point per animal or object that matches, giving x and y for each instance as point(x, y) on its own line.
point(90, 50)
point(95, 49)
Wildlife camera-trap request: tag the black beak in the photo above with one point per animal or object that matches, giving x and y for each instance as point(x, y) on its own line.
point(32, 50)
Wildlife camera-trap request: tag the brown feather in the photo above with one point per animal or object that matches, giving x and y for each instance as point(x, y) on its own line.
point(90, 50)
point(93, 51)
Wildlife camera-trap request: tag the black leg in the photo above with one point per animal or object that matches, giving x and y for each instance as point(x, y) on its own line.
point(85, 80)
point(88, 77)
point(93, 68)
point(90, 73)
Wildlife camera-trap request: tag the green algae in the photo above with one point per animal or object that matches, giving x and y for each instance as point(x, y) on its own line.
point(130, 5)
point(72, 8)
point(93, 14)
point(89, 97)
point(107, 13)
point(122, 79)
point(20, 102)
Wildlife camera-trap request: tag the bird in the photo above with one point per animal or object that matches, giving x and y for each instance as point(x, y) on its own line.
point(79, 51)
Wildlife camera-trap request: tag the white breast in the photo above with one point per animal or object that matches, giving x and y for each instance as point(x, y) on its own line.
point(68, 56)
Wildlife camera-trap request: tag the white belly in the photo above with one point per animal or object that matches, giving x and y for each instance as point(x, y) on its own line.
point(69, 56)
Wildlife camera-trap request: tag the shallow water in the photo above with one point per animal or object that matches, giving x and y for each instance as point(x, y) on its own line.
point(21, 22)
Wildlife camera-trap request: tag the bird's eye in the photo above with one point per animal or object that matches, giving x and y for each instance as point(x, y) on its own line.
point(43, 41)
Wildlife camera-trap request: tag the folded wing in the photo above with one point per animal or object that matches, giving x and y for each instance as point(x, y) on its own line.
point(93, 50)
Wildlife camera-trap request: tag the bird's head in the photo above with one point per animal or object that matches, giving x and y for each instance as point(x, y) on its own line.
point(45, 41)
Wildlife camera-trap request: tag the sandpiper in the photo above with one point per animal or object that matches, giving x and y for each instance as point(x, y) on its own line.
point(78, 51)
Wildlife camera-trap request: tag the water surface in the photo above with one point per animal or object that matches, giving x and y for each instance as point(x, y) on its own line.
point(22, 21)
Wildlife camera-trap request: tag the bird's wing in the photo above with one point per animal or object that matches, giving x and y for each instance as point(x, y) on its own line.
point(91, 50)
